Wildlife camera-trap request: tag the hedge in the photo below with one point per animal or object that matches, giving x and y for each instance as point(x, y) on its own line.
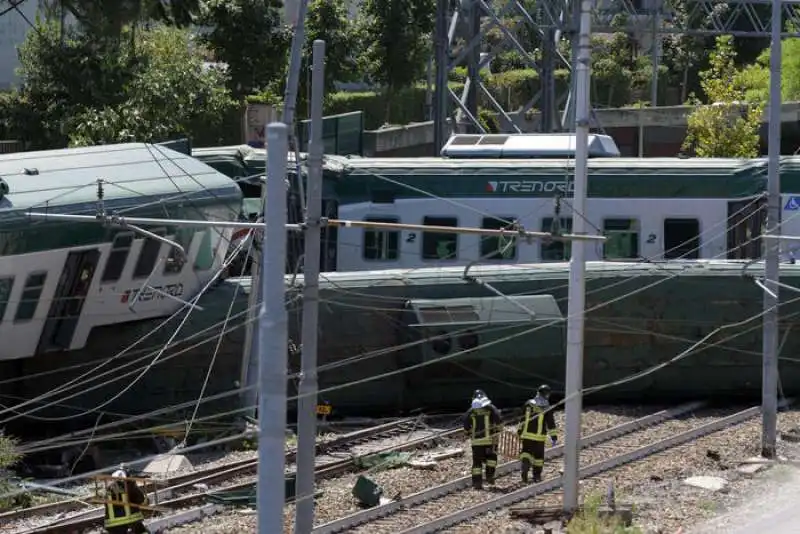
point(512, 89)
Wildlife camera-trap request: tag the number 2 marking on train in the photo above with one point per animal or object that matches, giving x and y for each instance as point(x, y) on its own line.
point(411, 237)
point(651, 239)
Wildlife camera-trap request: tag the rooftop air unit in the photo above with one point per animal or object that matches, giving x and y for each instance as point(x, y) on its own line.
point(526, 146)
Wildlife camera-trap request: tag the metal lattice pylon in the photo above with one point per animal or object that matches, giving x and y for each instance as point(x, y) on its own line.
point(534, 28)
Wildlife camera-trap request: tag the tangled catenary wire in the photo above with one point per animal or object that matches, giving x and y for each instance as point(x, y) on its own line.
point(410, 270)
point(242, 435)
point(432, 362)
point(391, 373)
point(77, 381)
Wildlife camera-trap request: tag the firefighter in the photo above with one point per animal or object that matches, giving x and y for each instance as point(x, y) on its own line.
point(537, 425)
point(482, 424)
point(123, 514)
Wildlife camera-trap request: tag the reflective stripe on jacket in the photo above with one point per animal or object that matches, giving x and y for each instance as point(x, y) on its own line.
point(119, 511)
point(537, 424)
point(481, 427)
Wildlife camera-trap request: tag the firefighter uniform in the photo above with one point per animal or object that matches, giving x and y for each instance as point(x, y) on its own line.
point(482, 424)
point(123, 513)
point(537, 425)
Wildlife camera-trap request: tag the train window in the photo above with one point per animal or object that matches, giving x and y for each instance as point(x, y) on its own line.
point(34, 285)
point(556, 250)
point(681, 239)
point(381, 244)
point(148, 255)
point(6, 285)
point(622, 239)
point(118, 256)
point(498, 247)
point(438, 245)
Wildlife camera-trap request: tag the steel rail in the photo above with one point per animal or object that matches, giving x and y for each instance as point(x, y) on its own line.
point(587, 472)
point(93, 517)
point(378, 512)
point(214, 474)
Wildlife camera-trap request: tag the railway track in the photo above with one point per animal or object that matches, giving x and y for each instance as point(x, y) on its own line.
point(181, 484)
point(455, 502)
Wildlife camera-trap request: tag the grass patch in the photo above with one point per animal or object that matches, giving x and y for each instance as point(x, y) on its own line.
point(588, 521)
point(9, 455)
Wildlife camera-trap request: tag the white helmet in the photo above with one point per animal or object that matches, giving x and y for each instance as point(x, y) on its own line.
point(480, 402)
point(119, 473)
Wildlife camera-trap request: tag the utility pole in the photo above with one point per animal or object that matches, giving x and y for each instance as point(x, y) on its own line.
point(441, 95)
point(577, 267)
point(769, 384)
point(307, 393)
point(251, 341)
point(273, 339)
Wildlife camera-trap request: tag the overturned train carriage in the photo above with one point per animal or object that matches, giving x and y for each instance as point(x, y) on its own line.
point(426, 339)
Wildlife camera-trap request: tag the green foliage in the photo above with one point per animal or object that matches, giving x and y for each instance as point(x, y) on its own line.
point(105, 19)
point(248, 36)
point(589, 522)
point(328, 20)
point(8, 457)
point(726, 125)
point(395, 41)
point(755, 78)
point(61, 76)
point(87, 90)
point(101, 17)
point(512, 89)
point(618, 74)
point(488, 120)
point(172, 94)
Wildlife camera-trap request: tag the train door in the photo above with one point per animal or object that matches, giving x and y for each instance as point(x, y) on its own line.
point(68, 300)
point(746, 220)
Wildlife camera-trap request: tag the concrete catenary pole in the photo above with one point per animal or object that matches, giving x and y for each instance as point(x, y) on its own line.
point(272, 353)
point(307, 398)
point(251, 342)
point(577, 268)
point(769, 385)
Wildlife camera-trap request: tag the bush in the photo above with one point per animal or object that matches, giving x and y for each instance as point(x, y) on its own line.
point(8, 457)
point(587, 521)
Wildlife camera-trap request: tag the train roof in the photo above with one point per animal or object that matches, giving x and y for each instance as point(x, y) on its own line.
point(65, 180)
point(718, 165)
point(523, 272)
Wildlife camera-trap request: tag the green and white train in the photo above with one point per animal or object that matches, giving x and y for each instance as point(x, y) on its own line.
point(654, 208)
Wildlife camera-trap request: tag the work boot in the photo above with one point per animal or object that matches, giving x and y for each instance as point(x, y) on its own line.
point(477, 481)
point(537, 474)
point(526, 466)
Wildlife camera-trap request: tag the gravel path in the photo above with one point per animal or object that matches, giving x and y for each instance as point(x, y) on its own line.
point(337, 500)
point(654, 486)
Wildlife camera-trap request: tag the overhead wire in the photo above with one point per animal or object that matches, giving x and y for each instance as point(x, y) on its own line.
point(588, 390)
point(600, 288)
point(453, 355)
point(189, 304)
point(353, 358)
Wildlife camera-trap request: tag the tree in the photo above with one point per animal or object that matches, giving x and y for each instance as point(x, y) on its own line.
point(60, 76)
point(395, 39)
point(173, 94)
point(248, 36)
point(328, 20)
point(727, 125)
point(102, 17)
